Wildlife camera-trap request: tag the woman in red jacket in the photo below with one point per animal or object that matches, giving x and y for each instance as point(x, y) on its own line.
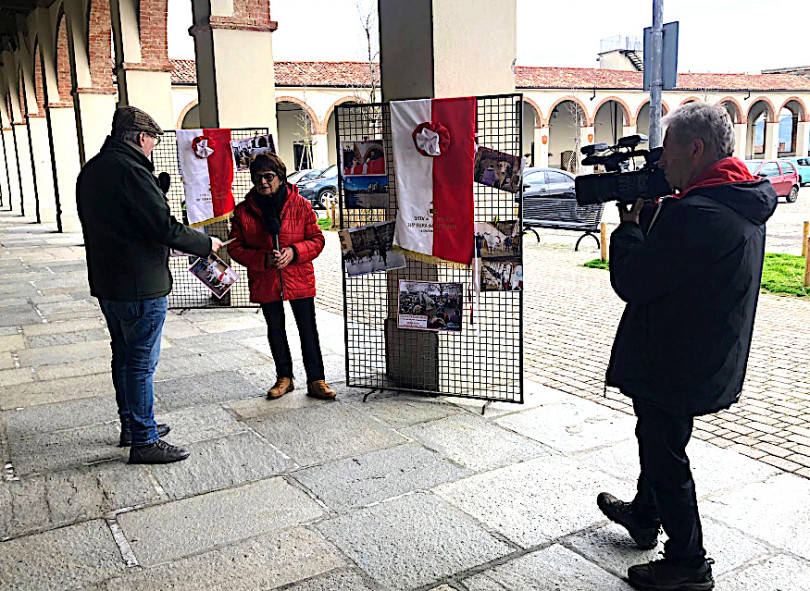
point(274, 275)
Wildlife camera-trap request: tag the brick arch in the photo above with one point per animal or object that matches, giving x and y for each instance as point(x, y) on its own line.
point(21, 92)
point(691, 99)
point(99, 39)
point(628, 117)
point(803, 115)
point(664, 108)
point(588, 122)
point(39, 80)
point(741, 114)
point(537, 111)
point(316, 124)
point(64, 83)
point(185, 112)
point(323, 126)
point(768, 104)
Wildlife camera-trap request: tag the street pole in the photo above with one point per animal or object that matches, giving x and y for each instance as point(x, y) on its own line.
point(657, 74)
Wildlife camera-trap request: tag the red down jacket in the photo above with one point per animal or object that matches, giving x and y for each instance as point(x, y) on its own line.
point(299, 229)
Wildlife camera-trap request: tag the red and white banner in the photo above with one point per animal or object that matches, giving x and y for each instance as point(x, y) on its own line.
point(206, 166)
point(434, 156)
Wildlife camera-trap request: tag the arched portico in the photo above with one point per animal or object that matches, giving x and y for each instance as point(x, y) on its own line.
point(610, 119)
point(531, 125)
point(761, 130)
point(567, 123)
point(643, 116)
point(328, 128)
point(296, 129)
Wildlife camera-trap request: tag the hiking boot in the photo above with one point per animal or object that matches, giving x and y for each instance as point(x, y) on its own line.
point(126, 436)
point(158, 452)
point(665, 575)
point(280, 388)
point(319, 389)
point(644, 533)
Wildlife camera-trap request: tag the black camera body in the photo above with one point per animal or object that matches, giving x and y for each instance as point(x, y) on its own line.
point(620, 183)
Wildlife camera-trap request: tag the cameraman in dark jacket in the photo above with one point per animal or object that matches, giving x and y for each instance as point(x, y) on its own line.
point(691, 285)
point(128, 231)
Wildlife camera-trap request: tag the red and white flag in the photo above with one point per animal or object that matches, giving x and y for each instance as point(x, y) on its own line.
point(206, 166)
point(434, 156)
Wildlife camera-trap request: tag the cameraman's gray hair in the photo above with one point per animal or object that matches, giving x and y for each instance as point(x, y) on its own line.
point(710, 123)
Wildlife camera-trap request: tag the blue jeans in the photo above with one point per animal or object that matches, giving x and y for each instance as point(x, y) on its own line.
point(135, 329)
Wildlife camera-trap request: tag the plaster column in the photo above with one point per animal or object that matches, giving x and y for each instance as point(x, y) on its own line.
point(740, 136)
point(433, 49)
point(320, 150)
point(67, 164)
point(541, 147)
point(143, 69)
point(586, 136)
point(40, 147)
point(225, 35)
point(803, 139)
point(29, 200)
point(771, 140)
point(629, 130)
point(11, 179)
point(94, 112)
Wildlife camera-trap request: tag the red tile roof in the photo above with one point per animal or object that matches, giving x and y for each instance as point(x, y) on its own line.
point(355, 74)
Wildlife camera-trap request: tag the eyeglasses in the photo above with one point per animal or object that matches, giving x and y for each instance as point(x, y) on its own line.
point(267, 176)
point(155, 138)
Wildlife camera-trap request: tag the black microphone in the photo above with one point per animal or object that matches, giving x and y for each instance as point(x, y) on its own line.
point(275, 228)
point(164, 182)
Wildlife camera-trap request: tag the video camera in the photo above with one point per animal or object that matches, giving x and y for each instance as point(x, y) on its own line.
point(619, 182)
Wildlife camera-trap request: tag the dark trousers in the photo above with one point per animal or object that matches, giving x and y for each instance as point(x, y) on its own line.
point(666, 490)
point(304, 312)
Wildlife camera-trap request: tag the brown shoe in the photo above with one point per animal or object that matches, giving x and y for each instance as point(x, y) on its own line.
point(281, 387)
point(319, 389)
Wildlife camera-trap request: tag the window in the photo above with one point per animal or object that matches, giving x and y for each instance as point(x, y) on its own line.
point(535, 178)
point(770, 169)
point(558, 177)
point(803, 161)
point(787, 167)
point(752, 167)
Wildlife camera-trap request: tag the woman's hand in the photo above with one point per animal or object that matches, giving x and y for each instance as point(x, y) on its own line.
point(279, 259)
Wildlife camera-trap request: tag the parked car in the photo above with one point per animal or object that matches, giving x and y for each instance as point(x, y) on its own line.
point(783, 175)
point(321, 188)
point(803, 164)
point(303, 175)
point(547, 182)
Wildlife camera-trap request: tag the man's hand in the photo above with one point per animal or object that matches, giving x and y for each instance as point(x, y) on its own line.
point(631, 214)
point(216, 244)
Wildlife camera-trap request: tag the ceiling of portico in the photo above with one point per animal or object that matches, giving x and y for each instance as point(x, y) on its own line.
point(12, 19)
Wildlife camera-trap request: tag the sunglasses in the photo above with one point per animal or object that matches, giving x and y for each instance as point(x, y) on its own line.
point(267, 176)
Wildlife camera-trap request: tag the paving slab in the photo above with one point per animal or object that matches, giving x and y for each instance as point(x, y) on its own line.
point(259, 406)
point(176, 328)
point(65, 353)
point(475, 442)
point(612, 549)
point(46, 418)
point(198, 423)
point(264, 375)
point(50, 328)
point(44, 392)
point(67, 449)
point(7, 360)
point(324, 433)
point(551, 569)
point(240, 322)
point(87, 367)
point(338, 580)
point(166, 532)
point(534, 395)
point(377, 476)
point(207, 388)
point(402, 410)
point(221, 463)
point(11, 342)
point(534, 502)
point(14, 377)
point(775, 511)
point(68, 558)
point(776, 573)
point(47, 501)
point(190, 365)
point(67, 338)
point(571, 426)
point(395, 542)
point(18, 318)
point(265, 562)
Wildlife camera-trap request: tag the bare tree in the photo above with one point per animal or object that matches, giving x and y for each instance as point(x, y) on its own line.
point(573, 113)
point(367, 11)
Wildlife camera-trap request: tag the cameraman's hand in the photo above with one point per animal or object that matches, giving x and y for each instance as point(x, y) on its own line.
point(630, 214)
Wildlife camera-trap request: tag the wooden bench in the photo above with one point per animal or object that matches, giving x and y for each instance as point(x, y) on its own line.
point(562, 213)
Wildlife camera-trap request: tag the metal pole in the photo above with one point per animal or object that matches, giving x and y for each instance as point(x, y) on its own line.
point(657, 75)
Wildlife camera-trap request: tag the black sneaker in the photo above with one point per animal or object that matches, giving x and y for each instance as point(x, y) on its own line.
point(645, 534)
point(158, 452)
point(126, 436)
point(664, 575)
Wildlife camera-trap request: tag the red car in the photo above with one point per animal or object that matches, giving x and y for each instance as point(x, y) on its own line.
point(783, 176)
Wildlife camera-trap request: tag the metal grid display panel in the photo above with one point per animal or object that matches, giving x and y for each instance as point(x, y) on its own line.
point(187, 291)
point(485, 359)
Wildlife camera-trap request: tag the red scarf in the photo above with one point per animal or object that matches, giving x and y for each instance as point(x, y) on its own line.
point(723, 172)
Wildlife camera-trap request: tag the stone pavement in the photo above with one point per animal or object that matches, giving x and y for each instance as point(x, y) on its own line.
point(398, 493)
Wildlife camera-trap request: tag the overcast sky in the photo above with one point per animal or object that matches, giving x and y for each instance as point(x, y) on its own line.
point(715, 35)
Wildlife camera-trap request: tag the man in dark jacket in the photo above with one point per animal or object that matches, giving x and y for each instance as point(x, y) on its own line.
point(128, 231)
point(691, 284)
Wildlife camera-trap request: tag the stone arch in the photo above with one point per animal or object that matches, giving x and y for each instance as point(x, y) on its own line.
point(664, 108)
point(770, 110)
point(184, 113)
point(538, 112)
point(740, 112)
point(322, 127)
point(760, 113)
point(608, 126)
point(295, 143)
point(643, 117)
point(99, 40)
point(565, 126)
point(629, 119)
point(691, 99)
point(316, 123)
point(802, 109)
point(586, 120)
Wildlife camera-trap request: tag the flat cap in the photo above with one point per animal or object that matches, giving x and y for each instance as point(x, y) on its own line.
point(129, 118)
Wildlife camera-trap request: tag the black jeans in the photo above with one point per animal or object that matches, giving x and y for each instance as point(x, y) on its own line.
point(304, 312)
point(666, 490)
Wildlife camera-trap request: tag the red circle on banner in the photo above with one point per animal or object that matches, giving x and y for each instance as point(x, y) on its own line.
point(440, 130)
point(196, 141)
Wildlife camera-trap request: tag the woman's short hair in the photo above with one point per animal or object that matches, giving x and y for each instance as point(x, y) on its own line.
point(271, 162)
point(703, 121)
